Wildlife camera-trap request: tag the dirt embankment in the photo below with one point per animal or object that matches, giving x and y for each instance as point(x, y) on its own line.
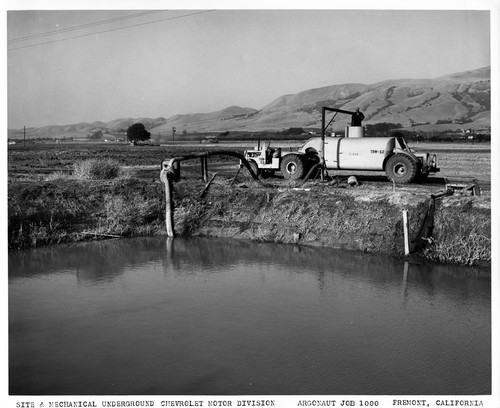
point(366, 218)
point(450, 229)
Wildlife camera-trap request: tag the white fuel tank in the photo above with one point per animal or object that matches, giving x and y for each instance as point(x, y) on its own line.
point(357, 153)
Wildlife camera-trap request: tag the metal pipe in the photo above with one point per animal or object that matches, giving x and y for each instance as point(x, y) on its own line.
point(331, 120)
point(311, 172)
point(239, 156)
point(166, 177)
point(171, 171)
point(447, 192)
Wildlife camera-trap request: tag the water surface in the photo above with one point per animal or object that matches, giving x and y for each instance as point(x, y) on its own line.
point(222, 317)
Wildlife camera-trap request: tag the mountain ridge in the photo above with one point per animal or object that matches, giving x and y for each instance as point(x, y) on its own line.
point(460, 99)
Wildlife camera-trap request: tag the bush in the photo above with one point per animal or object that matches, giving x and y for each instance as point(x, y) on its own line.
point(96, 169)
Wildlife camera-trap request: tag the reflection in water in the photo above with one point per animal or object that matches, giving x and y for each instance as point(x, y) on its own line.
point(218, 316)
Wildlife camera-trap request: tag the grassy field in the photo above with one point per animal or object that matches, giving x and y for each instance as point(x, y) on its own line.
point(455, 160)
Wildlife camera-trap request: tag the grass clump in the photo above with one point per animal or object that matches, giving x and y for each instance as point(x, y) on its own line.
point(472, 250)
point(132, 215)
point(462, 235)
point(96, 169)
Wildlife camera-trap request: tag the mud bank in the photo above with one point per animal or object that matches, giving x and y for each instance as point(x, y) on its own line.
point(366, 218)
point(458, 230)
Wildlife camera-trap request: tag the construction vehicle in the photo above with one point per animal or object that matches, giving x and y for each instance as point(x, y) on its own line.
point(266, 160)
point(351, 152)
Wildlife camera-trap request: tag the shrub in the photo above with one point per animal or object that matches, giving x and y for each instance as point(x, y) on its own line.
point(96, 169)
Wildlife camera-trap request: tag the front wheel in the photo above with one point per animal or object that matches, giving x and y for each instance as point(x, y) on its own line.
point(293, 167)
point(401, 168)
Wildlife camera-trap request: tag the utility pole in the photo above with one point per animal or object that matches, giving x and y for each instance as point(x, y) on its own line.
point(24, 133)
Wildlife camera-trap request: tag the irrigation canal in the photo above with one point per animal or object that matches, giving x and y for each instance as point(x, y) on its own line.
point(200, 316)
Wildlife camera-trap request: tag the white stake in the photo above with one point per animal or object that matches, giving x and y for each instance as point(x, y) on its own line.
point(406, 234)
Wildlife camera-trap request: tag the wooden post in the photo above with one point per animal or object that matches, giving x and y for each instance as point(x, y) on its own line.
point(322, 152)
point(207, 186)
point(406, 232)
point(204, 168)
point(236, 175)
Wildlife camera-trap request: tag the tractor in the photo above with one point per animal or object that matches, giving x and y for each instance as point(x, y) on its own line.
point(352, 152)
point(266, 160)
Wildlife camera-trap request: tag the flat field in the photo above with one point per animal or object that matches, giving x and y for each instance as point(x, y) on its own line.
point(36, 161)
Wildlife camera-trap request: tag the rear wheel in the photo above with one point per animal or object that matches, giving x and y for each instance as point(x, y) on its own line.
point(401, 168)
point(292, 167)
point(254, 167)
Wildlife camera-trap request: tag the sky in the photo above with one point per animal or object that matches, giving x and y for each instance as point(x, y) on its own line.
point(69, 66)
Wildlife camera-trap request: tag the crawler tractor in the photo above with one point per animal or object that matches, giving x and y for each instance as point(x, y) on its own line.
point(352, 152)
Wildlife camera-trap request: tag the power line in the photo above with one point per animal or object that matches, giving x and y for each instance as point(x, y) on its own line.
point(113, 29)
point(79, 27)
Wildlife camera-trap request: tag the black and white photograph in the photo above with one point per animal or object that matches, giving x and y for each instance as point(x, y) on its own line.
point(262, 204)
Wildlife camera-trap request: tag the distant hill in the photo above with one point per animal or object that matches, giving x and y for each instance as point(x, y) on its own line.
point(448, 102)
point(201, 122)
point(458, 100)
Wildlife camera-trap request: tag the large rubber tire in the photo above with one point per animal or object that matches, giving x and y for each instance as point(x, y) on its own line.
point(401, 168)
point(293, 167)
point(254, 167)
